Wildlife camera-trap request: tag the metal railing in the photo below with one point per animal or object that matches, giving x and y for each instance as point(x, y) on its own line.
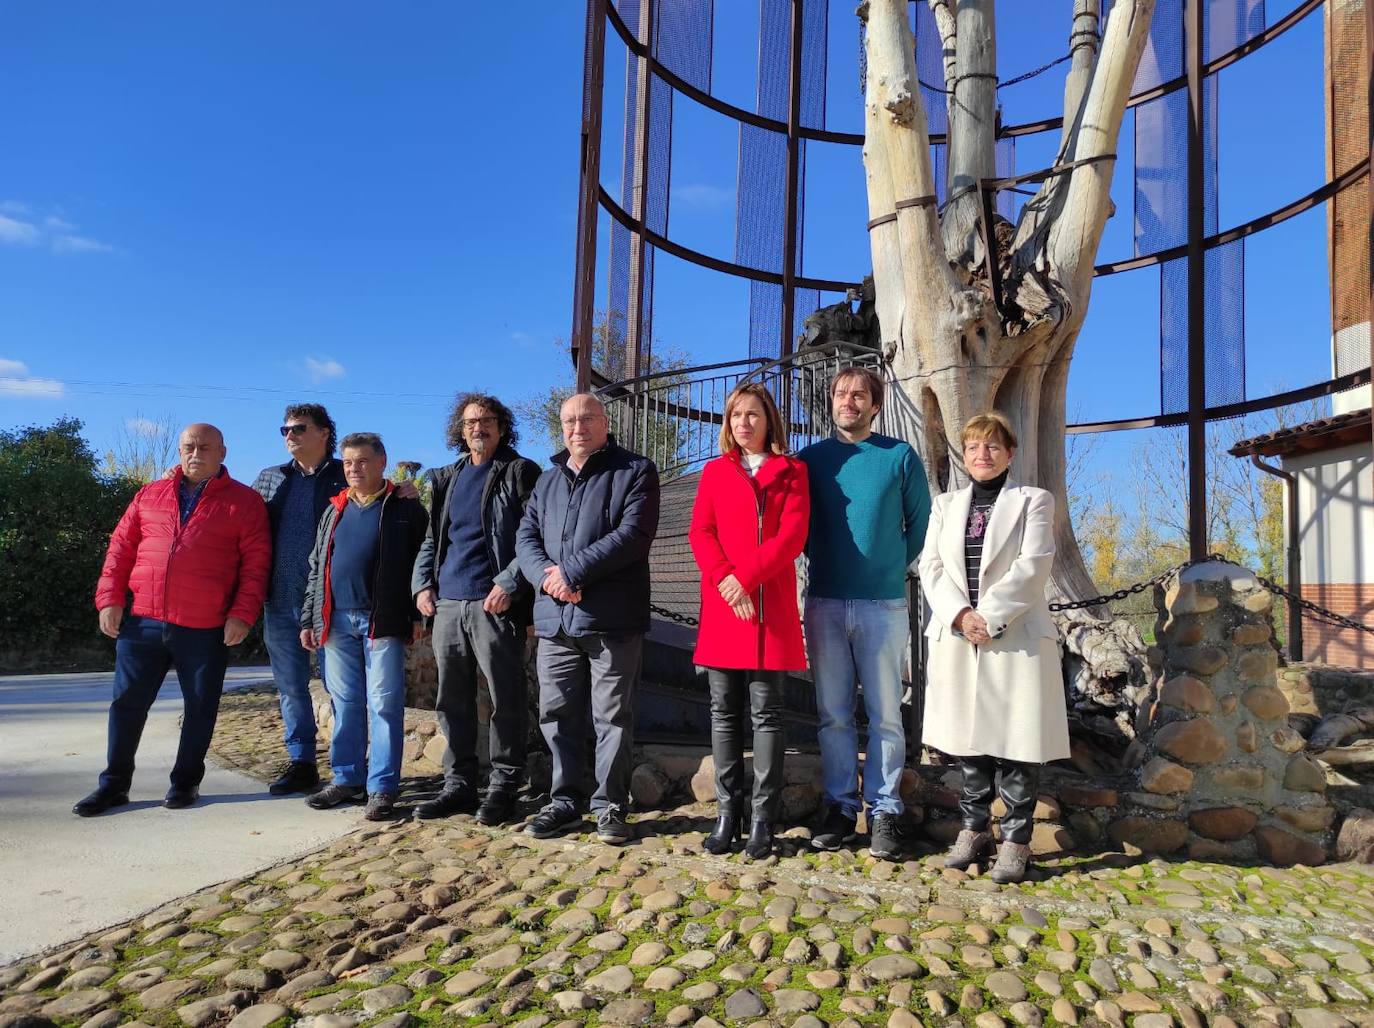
point(800, 383)
point(674, 417)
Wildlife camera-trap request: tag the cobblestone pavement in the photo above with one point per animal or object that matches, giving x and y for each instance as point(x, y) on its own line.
point(454, 922)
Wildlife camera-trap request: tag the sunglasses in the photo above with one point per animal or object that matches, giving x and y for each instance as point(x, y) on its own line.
point(296, 429)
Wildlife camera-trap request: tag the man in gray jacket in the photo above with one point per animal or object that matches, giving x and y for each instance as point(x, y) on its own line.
point(585, 540)
point(467, 579)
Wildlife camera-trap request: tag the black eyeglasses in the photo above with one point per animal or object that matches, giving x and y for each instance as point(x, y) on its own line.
point(296, 429)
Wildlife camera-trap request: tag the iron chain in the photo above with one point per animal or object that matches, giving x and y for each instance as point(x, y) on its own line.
point(672, 615)
point(1317, 612)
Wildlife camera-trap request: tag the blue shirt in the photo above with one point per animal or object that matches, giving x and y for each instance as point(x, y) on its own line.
point(295, 539)
point(466, 572)
point(869, 510)
point(189, 495)
point(353, 561)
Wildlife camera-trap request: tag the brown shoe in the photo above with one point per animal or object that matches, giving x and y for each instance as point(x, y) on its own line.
point(1013, 861)
point(968, 849)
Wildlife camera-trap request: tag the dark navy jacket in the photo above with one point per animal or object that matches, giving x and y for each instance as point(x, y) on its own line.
point(271, 486)
point(597, 526)
point(504, 495)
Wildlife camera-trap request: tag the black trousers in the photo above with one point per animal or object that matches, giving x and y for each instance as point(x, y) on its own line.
point(734, 694)
point(1017, 786)
point(468, 639)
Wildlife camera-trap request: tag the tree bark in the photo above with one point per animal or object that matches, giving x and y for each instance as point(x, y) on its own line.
point(955, 349)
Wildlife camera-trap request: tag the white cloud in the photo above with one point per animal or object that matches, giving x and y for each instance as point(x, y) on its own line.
point(48, 388)
point(321, 369)
point(19, 226)
point(142, 426)
point(79, 244)
point(16, 232)
point(702, 196)
point(15, 380)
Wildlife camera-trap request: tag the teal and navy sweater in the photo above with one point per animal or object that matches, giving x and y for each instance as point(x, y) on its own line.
point(869, 509)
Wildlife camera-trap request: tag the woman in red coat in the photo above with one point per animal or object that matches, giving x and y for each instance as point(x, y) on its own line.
point(748, 526)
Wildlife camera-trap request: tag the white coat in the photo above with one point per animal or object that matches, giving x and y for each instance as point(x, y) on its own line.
point(1005, 698)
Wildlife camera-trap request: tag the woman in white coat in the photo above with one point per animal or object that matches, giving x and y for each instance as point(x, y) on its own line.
point(995, 693)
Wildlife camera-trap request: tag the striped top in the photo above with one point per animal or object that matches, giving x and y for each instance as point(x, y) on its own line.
point(979, 514)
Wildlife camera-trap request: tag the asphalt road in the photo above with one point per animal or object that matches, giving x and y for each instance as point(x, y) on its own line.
point(62, 876)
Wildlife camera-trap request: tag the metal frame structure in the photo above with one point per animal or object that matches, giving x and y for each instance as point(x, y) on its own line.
point(592, 196)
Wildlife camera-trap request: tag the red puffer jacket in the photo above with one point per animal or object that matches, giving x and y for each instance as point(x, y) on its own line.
point(196, 575)
point(752, 528)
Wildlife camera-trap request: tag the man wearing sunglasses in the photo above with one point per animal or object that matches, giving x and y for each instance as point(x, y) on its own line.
point(297, 493)
point(467, 579)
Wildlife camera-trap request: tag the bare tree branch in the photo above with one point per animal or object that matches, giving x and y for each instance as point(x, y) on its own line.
point(1075, 234)
point(972, 128)
point(897, 133)
point(948, 29)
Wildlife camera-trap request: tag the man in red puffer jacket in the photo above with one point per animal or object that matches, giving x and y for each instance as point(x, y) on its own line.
point(195, 550)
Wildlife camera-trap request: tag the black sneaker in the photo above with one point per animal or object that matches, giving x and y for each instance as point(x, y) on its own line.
point(497, 808)
point(460, 799)
point(297, 776)
point(885, 837)
point(836, 830)
point(179, 796)
point(381, 806)
point(611, 826)
point(333, 795)
point(554, 819)
point(99, 801)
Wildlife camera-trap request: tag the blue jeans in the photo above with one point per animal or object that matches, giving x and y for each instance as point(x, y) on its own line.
point(144, 652)
point(281, 631)
point(853, 642)
point(367, 684)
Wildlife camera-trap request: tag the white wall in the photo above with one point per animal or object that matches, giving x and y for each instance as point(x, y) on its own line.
point(1336, 514)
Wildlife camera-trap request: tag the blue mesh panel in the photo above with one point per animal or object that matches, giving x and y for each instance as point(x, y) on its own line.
point(930, 70)
point(761, 213)
point(1229, 23)
point(1008, 203)
point(1224, 329)
point(683, 39)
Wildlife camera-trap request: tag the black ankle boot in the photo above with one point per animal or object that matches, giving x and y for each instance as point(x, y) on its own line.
point(729, 828)
point(760, 842)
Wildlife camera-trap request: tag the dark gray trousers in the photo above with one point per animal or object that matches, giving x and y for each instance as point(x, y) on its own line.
point(578, 674)
point(1017, 784)
point(733, 695)
point(466, 639)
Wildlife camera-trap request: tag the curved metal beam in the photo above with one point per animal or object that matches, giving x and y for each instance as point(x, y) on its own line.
point(1268, 35)
point(1230, 410)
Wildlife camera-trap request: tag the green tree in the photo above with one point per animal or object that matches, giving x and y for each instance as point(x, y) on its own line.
point(56, 515)
point(409, 471)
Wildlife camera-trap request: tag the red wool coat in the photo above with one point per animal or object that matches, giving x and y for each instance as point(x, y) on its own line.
point(197, 574)
point(752, 528)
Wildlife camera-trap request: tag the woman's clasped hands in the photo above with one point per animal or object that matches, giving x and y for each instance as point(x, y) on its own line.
point(733, 594)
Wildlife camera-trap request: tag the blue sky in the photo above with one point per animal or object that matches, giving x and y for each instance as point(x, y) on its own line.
point(207, 211)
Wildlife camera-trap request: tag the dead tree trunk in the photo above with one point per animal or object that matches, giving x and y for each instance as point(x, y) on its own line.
point(955, 348)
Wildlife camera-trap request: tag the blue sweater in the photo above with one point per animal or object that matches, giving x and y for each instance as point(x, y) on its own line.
point(869, 509)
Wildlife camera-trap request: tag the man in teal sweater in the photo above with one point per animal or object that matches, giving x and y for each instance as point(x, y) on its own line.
point(869, 509)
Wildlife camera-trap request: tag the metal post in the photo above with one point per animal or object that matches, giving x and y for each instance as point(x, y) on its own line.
point(589, 179)
point(915, 615)
point(1369, 151)
point(635, 346)
point(1197, 286)
point(1294, 549)
point(792, 182)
